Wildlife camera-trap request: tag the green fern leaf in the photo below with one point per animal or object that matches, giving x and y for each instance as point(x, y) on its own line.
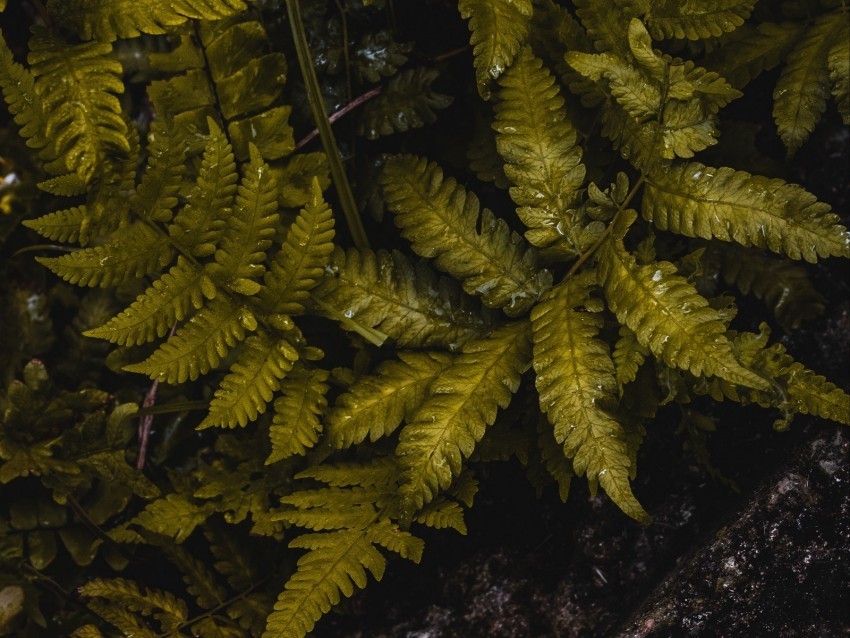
point(605, 23)
point(112, 19)
point(407, 302)
point(200, 344)
point(199, 224)
point(199, 579)
point(694, 21)
point(382, 471)
point(440, 219)
point(133, 251)
point(376, 404)
point(62, 225)
point(247, 237)
point(669, 317)
point(498, 29)
point(576, 384)
point(803, 86)
point(400, 542)
point(463, 403)
point(558, 466)
point(442, 513)
point(751, 50)
point(407, 102)
point(628, 357)
point(170, 611)
point(484, 158)
point(24, 101)
point(156, 195)
point(301, 261)
point(334, 567)
point(539, 148)
point(699, 201)
point(254, 378)
point(838, 63)
point(155, 311)
point(174, 515)
point(77, 86)
point(296, 424)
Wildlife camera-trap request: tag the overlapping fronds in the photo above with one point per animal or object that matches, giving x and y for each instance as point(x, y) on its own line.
point(691, 20)
point(605, 23)
point(376, 404)
point(577, 387)
point(297, 421)
point(699, 201)
point(498, 29)
point(441, 220)
point(113, 598)
point(406, 301)
point(669, 317)
point(750, 50)
point(538, 144)
point(463, 402)
point(628, 356)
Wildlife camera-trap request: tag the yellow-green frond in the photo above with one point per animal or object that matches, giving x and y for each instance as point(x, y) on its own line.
point(405, 301)
point(576, 385)
point(61, 225)
point(838, 63)
point(441, 221)
point(302, 259)
point(694, 20)
point(669, 316)
point(296, 424)
point(605, 23)
point(117, 594)
point(112, 19)
point(23, 100)
point(254, 378)
point(538, 144)
point(335, 566)
point(156, 195)
point(803, 86)
point(498, 29)
point(629, 355)
point(133, 251)
point(555, 462)
point(239, 260)
point(375, 405)
point(168, 300)
point(463, 403)
point(390, 537)
point(200, 344)
point(700, 201)
point(442, 513)
point(198, 226)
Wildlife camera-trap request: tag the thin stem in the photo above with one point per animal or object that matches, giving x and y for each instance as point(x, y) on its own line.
point(146, 420)
point(174, 407)
point(375, 337)
point(214, 610)
point(346, 197)
point(338, 114)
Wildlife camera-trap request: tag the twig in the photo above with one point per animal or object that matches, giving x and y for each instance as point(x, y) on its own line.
point(146, 420)
point(338, 114)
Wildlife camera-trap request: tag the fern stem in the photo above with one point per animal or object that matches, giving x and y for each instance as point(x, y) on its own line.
point(174, 407)
point(346, 197)
point(368, 95)
point(375, 337)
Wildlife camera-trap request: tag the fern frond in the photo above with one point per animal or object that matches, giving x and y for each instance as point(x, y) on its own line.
point(695, 21)
point(398, 541)
point(752, 50)
point(174, 515)
point(168, 300)
point(198, 226)
point(169, 611)
point(803, 86)
point(838, 63)
point(557, 465)
point(133, 251)
point(442, 513)
point(498, 29)
point(669, 317)
point(24, 101)
point(112, 19)
point(463, 402)
point(700, 201)
point(156, 195)
point(380, 472)
point(200, 344)
point(254, 378)
point(250, 227)
point(296, 424)
point(441, 221)
point(574, 375)
point(605, 24)
point(539, 147)
point(375, 405)
point(77, 86)
point(62, 225)
point(628, 356)
point(334, 567)
point(302, 259)
point(407, 102)
point(407, 302)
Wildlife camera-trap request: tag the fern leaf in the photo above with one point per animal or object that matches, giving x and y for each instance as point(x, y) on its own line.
point(498, 29)
point(168, 300)
point(699, 201)
point(62, 225)
point(334, 567)
point(112, 19)
point(803, 86)
point(170, 611)
point(199, 224)
point(295, 427)
point(254, 378)
point(200, 344)
point(133, 251)
point(559, 467)
point(398, 541)
point(669, 317)
point(440, 219)
point(199, 579)
point(376, 404)
point(156, 195)
point(239, 260)
point(407, 302)
point(301, 261)
point(576, 383)
point(628, 357)
point(77, 86)
point(174, 515)
point(382, 471)
point(753, 50)
point(408, 102)
point(463, 403)
point(696, 21)
point(838, 63)
point(442, 513)
point(484, 158)
point(605, 23)
point(24, 101)
point(539, 148)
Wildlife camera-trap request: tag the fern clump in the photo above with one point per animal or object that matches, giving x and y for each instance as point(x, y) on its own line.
point(343, 394)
